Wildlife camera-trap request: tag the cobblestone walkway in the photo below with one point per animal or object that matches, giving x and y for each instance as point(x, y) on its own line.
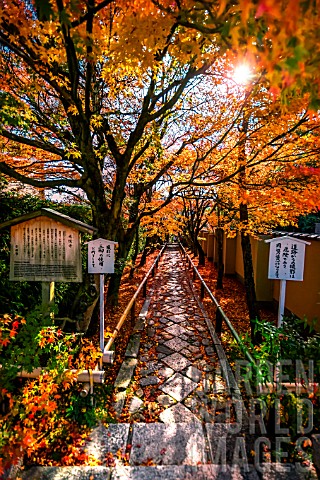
point(177, 377)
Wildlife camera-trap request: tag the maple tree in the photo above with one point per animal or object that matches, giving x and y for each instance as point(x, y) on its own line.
point(277, 151)
point(279, 36)
point(196, 206)
point(256, 158)
point(85, 108)
point(260, 161)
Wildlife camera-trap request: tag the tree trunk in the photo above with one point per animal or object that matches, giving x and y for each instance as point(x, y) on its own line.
point(245, 242)
point(143, 256)
point(193, 247)
point(202, 259)
point(248, 274)
point(145, 252)
point(135, 254)
point(125, 242)
point(114, 286)
point(220, 265)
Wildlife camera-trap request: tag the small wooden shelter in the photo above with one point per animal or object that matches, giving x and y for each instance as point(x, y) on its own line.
point(45, 246)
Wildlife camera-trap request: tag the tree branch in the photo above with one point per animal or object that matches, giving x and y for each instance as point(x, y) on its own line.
point(12, 173)
point(89, 71)
point(32, 143)
point(95, 10)
point(71, 58)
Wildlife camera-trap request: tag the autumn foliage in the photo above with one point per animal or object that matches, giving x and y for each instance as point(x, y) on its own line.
point(133, 107)
point(45, 420)
point(38, 415)
point(125, 104)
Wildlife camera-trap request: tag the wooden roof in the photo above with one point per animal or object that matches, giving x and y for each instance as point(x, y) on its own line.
point(303, 236)
point(48, 212)
point(286, 237)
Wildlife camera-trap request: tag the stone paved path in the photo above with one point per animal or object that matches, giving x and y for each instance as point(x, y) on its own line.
point(177, 375)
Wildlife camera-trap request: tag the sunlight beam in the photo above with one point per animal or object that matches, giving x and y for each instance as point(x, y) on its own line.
point(242, 74)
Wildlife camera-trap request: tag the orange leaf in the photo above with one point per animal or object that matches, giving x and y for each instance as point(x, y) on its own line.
point(222, 7)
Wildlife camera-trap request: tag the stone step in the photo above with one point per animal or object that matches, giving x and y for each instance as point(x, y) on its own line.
point(159, 443)
point(191, 444)
point(66, 473)
point(173, 443)
point(164, 451)
point(163, 472)
point(168, 444)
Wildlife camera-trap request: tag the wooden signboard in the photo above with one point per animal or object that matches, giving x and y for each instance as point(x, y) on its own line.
point(43, 249)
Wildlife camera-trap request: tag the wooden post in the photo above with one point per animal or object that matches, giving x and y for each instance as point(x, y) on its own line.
point(145, 289)
point(282, 299)
point(202, 291)
point(102, 312)
point(218, 322)
point(133, 312)
point(97, 376)
point(47, 297)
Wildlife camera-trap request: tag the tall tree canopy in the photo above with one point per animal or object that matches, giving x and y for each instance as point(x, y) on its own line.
point(86, 91)
point(95, 95)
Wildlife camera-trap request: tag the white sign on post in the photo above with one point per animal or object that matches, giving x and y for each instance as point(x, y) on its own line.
point(101, 256)
point(286, 262)
point(101, 260)
point(286, 258)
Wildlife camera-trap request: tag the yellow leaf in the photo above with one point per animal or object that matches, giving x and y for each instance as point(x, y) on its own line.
point(73, 110)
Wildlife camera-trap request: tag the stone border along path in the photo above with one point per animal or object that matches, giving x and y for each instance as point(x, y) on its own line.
point(176, 396)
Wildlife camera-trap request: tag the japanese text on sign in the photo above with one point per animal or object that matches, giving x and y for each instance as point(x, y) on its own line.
point(286, 259)
point(45, 250)
point(101, 256)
